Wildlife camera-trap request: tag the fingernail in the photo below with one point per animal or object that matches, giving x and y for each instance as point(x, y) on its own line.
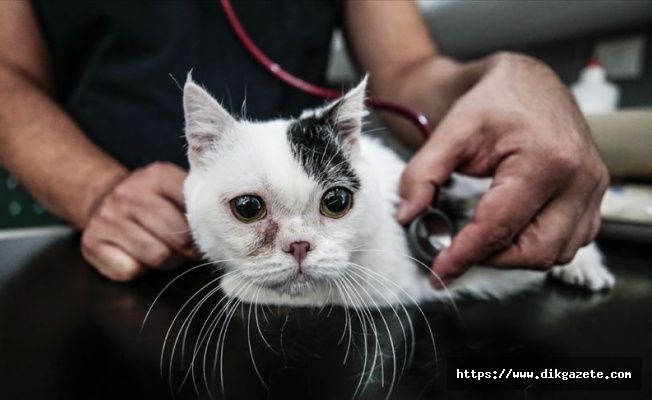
point(402, 210)
point(195, 254)
point(438, 282)
point(438, 279)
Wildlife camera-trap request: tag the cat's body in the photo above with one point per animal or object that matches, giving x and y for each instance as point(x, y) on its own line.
point(326, 233)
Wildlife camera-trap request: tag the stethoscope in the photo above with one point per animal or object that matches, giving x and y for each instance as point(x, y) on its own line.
point(430, 232)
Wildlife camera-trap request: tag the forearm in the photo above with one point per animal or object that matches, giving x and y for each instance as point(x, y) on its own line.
point(48, 152)
point(431, 86)
point(404, 63)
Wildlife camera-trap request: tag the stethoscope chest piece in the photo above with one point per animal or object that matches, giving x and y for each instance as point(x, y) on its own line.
point(429, 234)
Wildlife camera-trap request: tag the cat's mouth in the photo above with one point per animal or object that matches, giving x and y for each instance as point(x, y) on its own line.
point(294, 284)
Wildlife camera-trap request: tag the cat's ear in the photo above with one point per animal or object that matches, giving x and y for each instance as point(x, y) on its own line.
point(346, 114)
point(206, 120)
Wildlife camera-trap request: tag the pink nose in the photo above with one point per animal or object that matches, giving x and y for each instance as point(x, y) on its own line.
point(299, 250)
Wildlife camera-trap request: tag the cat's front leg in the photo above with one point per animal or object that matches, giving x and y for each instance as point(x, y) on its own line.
point(586, 270)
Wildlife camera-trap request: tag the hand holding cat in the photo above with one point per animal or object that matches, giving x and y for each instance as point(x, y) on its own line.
point(519, 124)
point(140, 224)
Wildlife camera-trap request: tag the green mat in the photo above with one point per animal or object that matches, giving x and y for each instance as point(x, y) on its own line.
point(18, 209)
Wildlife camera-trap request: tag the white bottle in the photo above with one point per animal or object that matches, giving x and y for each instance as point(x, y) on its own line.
point(593, 92)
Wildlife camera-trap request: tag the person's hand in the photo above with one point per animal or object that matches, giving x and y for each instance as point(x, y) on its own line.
point(519, 124)
point(140, 224)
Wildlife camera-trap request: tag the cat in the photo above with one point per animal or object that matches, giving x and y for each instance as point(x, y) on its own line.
point(301, 212)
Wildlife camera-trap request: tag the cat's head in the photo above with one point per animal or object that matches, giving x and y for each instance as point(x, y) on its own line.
point(284, 202)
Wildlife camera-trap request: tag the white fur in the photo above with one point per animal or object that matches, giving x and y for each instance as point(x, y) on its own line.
point(255, 158)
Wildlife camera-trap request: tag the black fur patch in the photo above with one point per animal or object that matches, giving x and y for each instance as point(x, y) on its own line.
point(319, 149)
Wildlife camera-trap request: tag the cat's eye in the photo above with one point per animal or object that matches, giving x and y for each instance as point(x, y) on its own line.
point(248, 208)
point(336, 202)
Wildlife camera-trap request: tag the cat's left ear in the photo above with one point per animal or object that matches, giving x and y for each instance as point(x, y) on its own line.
point(346, 114)
point(206, 121)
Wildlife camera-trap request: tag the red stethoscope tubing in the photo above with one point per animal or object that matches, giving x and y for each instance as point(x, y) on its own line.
point(414, 116)
point(426, 253)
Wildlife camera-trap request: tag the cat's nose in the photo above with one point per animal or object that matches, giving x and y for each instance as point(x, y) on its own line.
point(299, 250)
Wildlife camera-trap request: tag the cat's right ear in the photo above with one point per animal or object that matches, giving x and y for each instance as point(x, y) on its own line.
point(206, 121)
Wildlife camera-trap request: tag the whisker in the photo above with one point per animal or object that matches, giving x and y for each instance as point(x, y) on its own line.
point(172, 324)
point(186, 324)
point(422, 265)
point(251, 350)
point(363, 317)
point(287, 318)
point(377, 349)
point(228, 309)
point(207, 331)
point(269, 346)
point(395, 376)
point(416, 304)
point(223, 340)
point(328, 299)
point(208, 327)
point(347, 321)
point(172, 282)
point(235, 307)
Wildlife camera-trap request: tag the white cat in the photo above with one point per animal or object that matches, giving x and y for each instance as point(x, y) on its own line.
point(301, 212)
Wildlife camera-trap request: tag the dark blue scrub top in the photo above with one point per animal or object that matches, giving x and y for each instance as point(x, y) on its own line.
point(119, 64)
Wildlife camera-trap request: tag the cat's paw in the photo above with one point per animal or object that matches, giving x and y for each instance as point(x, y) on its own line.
point(586, 270)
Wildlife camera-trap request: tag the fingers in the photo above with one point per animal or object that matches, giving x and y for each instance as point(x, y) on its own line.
point(113, 263)
point(586, 231)
point(164, 221)
point(167, 179)
point(551, 237)
point(544, 241)
point(495, 225)
point(140, 225)
point(548, 177)
point(557, 231)
point(431, 167)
